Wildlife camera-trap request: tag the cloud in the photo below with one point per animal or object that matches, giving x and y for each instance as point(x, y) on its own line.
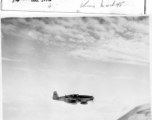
point(13, 59)
point(113, 39)
point(115, 51)
point(24, 69)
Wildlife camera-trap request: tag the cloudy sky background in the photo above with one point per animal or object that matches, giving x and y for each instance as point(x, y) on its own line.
point(107, 57)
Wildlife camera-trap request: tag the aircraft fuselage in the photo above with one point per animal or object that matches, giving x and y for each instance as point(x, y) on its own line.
point(73, 98)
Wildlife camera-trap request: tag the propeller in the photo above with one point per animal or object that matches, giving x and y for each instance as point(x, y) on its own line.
point(92, 98)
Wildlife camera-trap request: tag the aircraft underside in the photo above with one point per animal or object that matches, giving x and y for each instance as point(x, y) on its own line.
point(84, 103)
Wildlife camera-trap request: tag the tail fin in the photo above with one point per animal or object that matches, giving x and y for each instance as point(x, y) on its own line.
point(55, 95)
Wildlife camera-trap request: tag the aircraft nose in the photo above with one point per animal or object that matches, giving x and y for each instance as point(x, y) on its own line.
point(92, 98)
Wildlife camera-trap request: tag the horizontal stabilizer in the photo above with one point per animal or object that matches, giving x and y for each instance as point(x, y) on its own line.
point(55, 95)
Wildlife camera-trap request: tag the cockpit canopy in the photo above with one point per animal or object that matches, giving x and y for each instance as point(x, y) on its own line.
point(74, 95)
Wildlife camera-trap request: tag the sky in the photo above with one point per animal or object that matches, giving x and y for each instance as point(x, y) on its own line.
point(106, 57)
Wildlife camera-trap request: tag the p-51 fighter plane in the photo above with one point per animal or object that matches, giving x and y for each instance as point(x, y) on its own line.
point(73, 99)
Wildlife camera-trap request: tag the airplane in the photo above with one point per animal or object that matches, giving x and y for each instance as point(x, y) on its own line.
point(73, 98)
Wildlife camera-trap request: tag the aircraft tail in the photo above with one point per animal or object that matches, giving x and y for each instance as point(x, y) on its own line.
point(55, 95)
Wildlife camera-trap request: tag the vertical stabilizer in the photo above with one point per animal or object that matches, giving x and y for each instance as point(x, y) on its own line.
point(55, 95)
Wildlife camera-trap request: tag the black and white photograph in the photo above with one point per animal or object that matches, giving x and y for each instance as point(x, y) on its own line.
point(76, 68)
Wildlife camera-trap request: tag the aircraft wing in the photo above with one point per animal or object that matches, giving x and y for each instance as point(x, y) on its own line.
point(84, 99)
point(70, 100)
